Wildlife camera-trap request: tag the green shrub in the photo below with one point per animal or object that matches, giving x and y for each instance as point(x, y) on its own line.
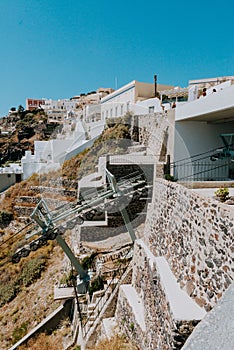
point(19, 332)
point(87, 262)
point(96, 284)
point(8, 292)
point(169, 177)
point(32, 271)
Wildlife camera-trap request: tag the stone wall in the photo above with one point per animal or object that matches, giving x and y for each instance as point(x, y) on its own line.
point(195, 234)
point(157, 133)
point(24, 205)
point(156, 327)
point(54, 190)
point(21, 211)
point(27, 200)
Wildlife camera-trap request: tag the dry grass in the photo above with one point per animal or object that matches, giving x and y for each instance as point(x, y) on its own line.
point(113, 140)
point(44, 342)
point(33, 303)
point(19, 189)
point(115, 343)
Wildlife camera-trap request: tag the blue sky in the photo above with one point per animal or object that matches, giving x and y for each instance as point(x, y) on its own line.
point(61, 48)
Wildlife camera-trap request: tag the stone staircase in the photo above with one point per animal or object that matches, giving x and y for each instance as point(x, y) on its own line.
point(102, 306)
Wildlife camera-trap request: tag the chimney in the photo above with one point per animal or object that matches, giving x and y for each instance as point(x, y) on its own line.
point(155, 85)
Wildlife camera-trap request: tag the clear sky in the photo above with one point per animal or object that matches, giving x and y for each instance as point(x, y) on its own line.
point(61, 48)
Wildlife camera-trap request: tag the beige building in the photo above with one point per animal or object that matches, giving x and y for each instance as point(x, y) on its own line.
point(208, 82)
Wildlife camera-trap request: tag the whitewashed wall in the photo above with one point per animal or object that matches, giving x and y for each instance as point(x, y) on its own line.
point(218, 101)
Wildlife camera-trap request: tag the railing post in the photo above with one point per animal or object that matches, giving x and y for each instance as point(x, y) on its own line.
point(167, 166)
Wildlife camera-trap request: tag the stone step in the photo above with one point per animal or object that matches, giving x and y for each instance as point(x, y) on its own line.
point(108, 328)
point(129, 294)
point(182, 306)
point(91, 306)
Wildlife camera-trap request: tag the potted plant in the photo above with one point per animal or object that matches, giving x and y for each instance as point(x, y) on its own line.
point(222, 193)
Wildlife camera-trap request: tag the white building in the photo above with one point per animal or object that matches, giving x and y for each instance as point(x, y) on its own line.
point(199, 124)
point(50, 155)
point(135, 97)
point(9, 175)
point(57, 110)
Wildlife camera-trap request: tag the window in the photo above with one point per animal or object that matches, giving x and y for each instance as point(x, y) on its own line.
point(151, 109)
point(111, 112)
point(116, 111)
point(121, 109)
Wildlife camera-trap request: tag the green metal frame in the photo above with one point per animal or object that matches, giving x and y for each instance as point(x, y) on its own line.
point(47, 220)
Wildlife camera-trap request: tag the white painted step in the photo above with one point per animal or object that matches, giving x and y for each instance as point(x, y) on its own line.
point(182, 306)
point(109, 325)
point(135, 302)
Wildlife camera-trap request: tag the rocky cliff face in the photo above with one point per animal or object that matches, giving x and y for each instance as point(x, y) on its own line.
point(18, 132)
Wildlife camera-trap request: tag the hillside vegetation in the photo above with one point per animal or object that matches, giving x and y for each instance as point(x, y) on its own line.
point(19, 130)
point(19, 281)
point(115, 139)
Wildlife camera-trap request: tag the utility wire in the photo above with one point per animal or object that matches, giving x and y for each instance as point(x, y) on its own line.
point(15, 234)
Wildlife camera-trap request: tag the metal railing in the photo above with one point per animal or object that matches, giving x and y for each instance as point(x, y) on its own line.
point(107, 293)
point(203, 167)
point(202, 171)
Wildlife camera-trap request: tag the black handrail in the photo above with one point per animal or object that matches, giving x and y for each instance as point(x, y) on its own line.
point(195, 174)
point(201, 154)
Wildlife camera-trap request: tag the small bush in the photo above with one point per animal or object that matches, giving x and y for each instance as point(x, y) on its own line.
point(5, 217)
point(169, 177)
point(96, 284)
point(67, 279)
point(87, 262)
point(8, 292)
point(19, 332)
point(32, 271)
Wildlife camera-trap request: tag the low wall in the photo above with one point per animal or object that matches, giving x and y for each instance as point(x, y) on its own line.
point(48, 324)
point(157, 133)
point(153, 324)
point(7, 180)
point(23, 211)
point(195, 234)
point(54, 190)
